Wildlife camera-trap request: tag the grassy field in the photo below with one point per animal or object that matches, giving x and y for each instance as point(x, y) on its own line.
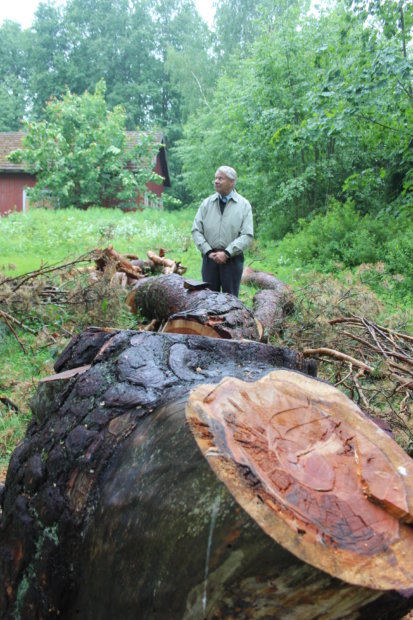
point(42, 237)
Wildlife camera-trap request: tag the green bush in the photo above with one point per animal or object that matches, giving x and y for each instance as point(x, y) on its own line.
point(399, 262)
point(342, 238)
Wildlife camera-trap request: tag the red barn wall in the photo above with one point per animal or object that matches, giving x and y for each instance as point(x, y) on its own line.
point(11, 191)
point(12, 186)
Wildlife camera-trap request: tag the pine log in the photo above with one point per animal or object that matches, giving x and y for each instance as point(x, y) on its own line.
point(268, 312)
point(187, 309)
point(107, 471)
point(121, 262)
point(129, 500)
point(169, 266)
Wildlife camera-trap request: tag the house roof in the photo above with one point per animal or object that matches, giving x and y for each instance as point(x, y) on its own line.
point(12, 140)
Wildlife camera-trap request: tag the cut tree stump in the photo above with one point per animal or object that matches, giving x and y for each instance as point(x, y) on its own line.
point(187, 308)
point(181, 477)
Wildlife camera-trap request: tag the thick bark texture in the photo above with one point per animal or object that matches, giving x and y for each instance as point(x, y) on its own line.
point(190, 309)
point(180, 477)
point(84, 470)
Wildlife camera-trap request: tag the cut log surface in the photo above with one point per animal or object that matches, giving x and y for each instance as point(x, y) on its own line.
point(193, 310)
point(314, 472)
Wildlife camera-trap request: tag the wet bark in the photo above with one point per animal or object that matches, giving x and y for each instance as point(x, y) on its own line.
point(107, 384)
point(186, 308)
point(133, 494)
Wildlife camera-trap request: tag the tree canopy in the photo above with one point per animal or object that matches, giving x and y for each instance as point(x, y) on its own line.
point(310, 107)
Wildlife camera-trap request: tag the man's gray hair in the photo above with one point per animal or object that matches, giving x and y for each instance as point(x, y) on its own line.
point(229, 172)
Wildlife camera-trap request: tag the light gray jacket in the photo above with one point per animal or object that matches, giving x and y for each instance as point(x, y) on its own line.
point(231, 231)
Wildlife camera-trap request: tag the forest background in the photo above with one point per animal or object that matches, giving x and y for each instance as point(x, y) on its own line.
point(313, 106)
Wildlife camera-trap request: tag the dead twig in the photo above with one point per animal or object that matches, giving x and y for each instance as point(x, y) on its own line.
point(5, 319)
point(338, 355)
point(43, 271)
point(11, 318)
point(9, 403)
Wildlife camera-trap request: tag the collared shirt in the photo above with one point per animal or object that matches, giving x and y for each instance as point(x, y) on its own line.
point(226, 198)
point(231, 231)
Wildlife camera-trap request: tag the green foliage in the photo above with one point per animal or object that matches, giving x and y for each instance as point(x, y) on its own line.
point(344, 239)
point(399, 262)
point(13, 76)
point(80, 154)
point(20, 371)
point(321, 108)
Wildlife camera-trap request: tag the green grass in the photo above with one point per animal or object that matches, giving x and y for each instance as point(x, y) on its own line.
point(19, 374)
point(43, 236)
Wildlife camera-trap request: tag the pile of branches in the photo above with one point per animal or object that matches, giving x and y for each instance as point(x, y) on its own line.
point(371, 362)
point(90, 287)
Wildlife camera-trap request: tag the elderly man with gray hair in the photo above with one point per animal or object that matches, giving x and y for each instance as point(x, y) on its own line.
point(222, 230)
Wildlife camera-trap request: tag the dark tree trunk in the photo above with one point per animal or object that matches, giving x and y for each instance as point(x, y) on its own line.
point(108, 382)
point(188, 309)
point(145, 489)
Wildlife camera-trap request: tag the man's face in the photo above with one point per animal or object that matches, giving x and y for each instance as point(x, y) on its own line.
point(223, 185)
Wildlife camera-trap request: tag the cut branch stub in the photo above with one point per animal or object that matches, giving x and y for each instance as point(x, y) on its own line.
point(316, 474)
point(190, 309)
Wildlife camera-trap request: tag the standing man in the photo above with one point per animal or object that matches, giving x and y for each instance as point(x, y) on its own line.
point(221, 231)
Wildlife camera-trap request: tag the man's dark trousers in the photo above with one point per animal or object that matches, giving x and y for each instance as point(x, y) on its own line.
point(226, 276)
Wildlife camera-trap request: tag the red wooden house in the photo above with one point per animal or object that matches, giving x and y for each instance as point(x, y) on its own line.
point(14, 181)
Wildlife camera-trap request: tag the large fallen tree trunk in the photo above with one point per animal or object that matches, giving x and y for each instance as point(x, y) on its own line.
point(127, 500)
point(191, 308)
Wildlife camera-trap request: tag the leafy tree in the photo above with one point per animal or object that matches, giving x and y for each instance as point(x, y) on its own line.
point(384, 105)
point(80, 154)
point(319, 110)
point(239, 23)
point(13, 76)
point(190, 65)
point(47, 61)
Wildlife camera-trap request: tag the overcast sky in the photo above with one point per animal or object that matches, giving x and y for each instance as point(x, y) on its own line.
point(22, 11)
